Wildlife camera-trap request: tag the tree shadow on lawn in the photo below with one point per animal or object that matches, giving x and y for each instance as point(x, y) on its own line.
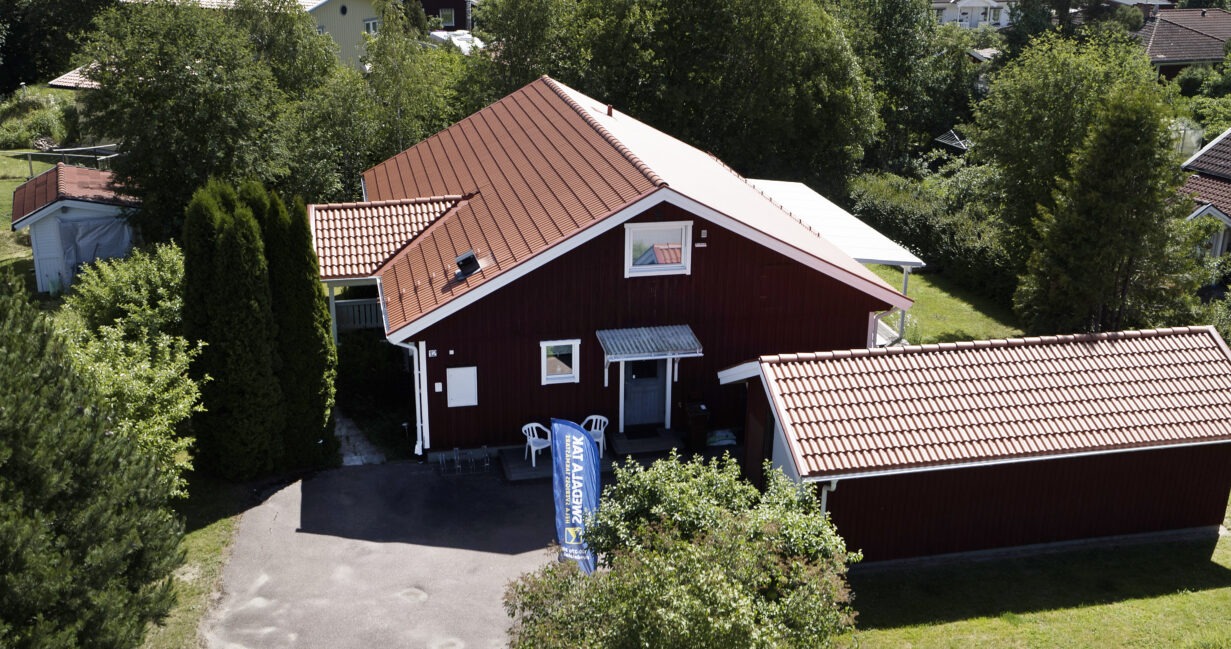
point(947, 593)
point(994, 310)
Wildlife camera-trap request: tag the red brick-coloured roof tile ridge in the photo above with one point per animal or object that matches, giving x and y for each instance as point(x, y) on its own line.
point(865, 412)
point(602, 130)
point(986, 344)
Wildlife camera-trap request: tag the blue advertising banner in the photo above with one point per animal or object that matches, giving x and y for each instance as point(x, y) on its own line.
point(574, 456)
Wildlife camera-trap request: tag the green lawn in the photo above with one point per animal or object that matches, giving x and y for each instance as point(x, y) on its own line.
point(15, 251)
point(211, 514)
point(1161, 595)
point(944, 312)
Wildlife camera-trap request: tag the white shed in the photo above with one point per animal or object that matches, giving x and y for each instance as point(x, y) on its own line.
point(75, 217)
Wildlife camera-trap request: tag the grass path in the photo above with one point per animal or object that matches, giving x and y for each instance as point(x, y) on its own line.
point(211, 515)
point(944, 312)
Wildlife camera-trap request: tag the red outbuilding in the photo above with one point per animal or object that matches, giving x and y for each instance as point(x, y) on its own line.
point(955, 447)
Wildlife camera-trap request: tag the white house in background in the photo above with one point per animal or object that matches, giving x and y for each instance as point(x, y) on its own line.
point(74, 217)
point(1209, 185)
point(973, 13)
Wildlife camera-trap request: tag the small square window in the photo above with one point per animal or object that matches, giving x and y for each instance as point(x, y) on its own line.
point(371, 26)
point(658, 248)
point(446, 17)
point(560, 361)
point(320, 29)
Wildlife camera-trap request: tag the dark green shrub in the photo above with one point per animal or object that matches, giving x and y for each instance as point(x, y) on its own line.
point(87, 542)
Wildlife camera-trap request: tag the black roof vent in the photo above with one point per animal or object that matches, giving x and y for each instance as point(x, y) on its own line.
point(467, 264)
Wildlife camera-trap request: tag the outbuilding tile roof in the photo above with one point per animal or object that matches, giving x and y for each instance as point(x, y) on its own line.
point(540, 166)
point(868, 411)
point(65, 182)
point(355, 239)
point(1186, 36)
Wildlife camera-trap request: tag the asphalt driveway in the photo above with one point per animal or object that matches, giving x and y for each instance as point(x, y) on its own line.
point(389, 555)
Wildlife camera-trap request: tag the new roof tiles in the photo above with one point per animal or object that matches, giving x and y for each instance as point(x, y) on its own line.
point(540, 166)
point(355, 239)
point(956, 404)
point(64, 182)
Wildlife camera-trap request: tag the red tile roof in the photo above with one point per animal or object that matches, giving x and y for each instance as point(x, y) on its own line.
point(1214, 158)
point(864, 412)
point(64, 182)
point(74, 79)
point(356, 239)
point(1209, 189)
point(1186, 36)
point(542, 165)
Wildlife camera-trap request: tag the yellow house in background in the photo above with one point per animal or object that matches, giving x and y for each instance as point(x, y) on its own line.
point(346, 21)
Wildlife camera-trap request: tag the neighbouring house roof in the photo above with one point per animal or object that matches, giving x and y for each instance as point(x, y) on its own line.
point(1210, 184)
point(353, 240)
point(544, 165)
point(854, 237)
point(64, 182)
point(1179, 36)
point(308, 5)
point(875, 411)
point(1209, 190)
point(74, 79)
point(465, 41)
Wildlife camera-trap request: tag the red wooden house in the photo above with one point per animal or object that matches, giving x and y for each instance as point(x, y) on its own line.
point(936, 449)
point(550, 256)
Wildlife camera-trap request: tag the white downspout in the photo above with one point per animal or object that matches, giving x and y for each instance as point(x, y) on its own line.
point(826, 488)
point(418, 357)
point(902, 319)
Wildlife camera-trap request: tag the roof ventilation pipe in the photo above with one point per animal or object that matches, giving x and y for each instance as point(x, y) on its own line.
point(610, 110)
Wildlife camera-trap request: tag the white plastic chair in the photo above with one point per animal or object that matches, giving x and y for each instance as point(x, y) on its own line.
point(537, 439)
point(597, 426)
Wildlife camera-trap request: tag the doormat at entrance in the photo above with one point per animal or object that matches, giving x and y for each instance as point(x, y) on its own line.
point(641, 432)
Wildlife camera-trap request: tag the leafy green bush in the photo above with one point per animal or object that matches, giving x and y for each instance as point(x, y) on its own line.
point(693, 556)
point(124, 317)
point(946, 220)
point(36, 113)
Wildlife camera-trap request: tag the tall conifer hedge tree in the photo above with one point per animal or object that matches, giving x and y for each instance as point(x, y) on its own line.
point(304, 341)
point(87, 543)
point(227, 305)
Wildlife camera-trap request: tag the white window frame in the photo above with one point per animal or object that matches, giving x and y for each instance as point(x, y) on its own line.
point(682, 268)
point(452, 21)
point(462, 384)
point(371, 26)
point(320, 30)
point(575, 377)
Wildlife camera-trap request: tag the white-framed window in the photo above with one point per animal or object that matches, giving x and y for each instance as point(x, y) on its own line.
point(371, 26)
point(996, 15)
point(462, 384)
point(446, 17)
point(320, 29)
point(561, 361)
point(658, 248)
point(940, 15)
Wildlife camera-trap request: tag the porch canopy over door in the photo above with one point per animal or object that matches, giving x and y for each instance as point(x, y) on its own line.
point(669, 343)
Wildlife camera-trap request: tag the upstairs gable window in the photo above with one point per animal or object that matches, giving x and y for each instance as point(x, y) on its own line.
point(657, 248)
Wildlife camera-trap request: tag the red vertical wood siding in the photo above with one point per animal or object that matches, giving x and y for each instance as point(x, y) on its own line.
point(958, 510)
point(741, 299)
